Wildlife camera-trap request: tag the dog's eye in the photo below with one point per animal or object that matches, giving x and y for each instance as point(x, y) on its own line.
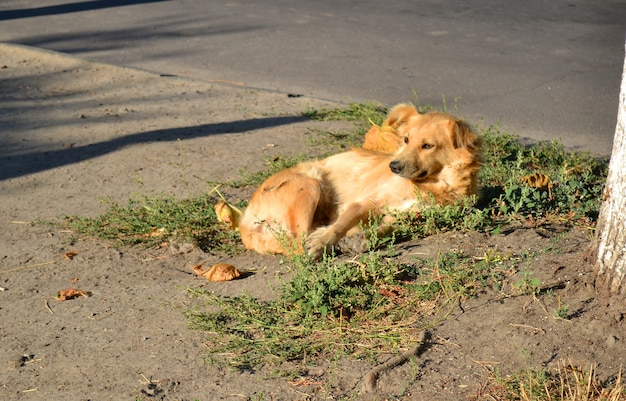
point(406, 139)
point(427, 146)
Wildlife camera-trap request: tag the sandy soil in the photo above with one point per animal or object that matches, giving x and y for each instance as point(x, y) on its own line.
point(74, 132)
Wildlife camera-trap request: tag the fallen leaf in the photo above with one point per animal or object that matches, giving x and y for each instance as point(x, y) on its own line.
point(383, 139)
point(156, 232)
point(387, 293)
point(70, 255)
point(198, 269)
point(228, 214)
point(71, 293)
point(218, 272)
point(305, 382)
point(537, 180)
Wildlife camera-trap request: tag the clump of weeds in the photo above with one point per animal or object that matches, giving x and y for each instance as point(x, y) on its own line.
point(338, 307)
point(567, 382)
point(148, 221)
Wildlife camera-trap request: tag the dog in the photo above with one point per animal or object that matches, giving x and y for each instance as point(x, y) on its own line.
point(311, 207)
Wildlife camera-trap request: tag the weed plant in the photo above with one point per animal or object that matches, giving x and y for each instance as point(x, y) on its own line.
point(149, 221)
point(361, 113)
point(355, 307)
point(567, 382)
point(573, 186)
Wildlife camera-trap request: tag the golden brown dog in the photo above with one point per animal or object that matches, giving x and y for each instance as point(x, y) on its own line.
point(312, 206)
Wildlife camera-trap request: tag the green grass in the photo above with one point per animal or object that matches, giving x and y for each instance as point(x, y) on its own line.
point(566, 382)
point(334, 308)
point(371, 303)
point(361, 113)
point(576, 180)
point(149, 221)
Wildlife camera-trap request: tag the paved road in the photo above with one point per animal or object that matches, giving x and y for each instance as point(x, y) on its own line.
point(541, 69)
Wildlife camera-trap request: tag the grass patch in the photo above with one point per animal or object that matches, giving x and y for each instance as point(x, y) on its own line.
point(567, 382)
point(372, 303)
point(355, 308)
point(539, 181)
point(362, 113)
point(149, 221)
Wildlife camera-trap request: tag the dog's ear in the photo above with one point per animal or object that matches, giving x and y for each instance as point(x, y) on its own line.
point(400, 114)
point(463, 136)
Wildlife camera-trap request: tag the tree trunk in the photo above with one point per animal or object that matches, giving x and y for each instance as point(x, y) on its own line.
point(610, 240)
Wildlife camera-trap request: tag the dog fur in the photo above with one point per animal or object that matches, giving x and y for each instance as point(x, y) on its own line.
point(312, 206)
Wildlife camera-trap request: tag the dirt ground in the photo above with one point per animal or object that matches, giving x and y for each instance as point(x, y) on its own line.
point(74, 132)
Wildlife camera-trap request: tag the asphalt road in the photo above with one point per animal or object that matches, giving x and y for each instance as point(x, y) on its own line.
point(540, 69)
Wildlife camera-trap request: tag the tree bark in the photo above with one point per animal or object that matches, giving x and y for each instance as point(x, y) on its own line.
point(610, 239)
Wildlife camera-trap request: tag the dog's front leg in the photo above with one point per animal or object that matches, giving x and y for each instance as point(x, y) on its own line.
point(322, 238)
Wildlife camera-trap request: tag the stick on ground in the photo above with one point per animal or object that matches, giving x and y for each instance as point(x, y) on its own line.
point(370, 379)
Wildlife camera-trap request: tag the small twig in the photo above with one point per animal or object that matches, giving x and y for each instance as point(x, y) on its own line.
point(27, 267)
point(486, 364)
point(370, 379)
point(442, 341)
point(100, 318)
point(525, 326)
point(361, 265)
point(45, 302)
point(147, 381)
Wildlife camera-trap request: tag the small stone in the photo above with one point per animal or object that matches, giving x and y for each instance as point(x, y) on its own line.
point(611, 340)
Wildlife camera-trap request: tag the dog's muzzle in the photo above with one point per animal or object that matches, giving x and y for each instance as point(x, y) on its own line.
point(395, 166)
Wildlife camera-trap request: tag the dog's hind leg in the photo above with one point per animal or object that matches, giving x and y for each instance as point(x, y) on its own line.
point(281, 212)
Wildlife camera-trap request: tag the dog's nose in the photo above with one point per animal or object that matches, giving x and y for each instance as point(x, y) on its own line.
point(395, 166)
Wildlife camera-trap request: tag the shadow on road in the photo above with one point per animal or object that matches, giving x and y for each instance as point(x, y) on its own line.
point(69, 8)
point(12, 166)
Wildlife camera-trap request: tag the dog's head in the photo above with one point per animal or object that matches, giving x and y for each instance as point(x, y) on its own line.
point(431, 142)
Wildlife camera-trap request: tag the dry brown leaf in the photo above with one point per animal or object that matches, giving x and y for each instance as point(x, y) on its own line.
point(536, 180)
point(70, 255)
point(387, 293)
point(156, 232)
point(305, 382)
point(227, 213)
point(218, 272)
point(71, 293)
point(383, 139)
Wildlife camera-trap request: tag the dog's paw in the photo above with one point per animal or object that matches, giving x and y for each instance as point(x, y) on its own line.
point(316, 244)
point(356, 243)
